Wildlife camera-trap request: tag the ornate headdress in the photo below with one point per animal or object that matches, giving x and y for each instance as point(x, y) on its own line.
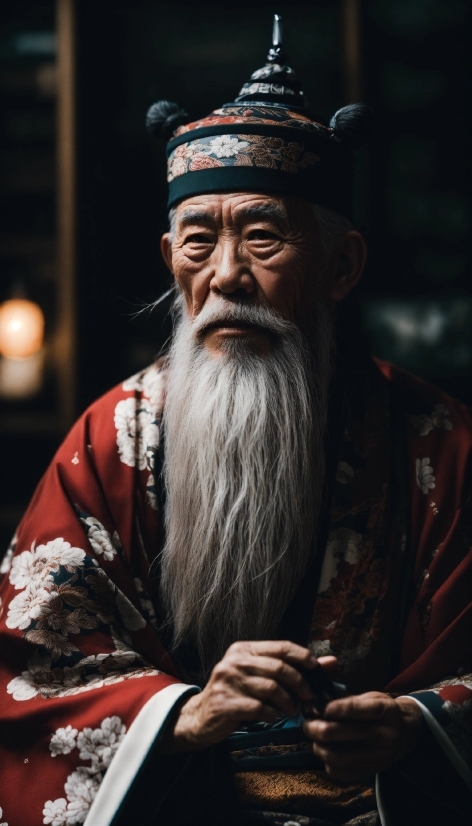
point(265, 141)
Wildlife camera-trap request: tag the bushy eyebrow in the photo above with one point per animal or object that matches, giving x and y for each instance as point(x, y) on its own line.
point(258, 212)
point(195, 216)
point(264, 212)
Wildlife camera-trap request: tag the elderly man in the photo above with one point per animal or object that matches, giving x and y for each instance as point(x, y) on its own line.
point(264, 501)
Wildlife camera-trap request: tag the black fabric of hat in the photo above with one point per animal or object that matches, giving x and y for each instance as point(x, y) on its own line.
point(265, 141)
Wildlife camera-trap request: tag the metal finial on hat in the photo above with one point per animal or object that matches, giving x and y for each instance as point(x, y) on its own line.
point(276, 82)
point(276, 54)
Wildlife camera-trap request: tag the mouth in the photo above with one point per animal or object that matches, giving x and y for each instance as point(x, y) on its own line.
point(231, 327)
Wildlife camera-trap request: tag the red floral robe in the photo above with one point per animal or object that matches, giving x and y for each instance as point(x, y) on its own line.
point(85, 682)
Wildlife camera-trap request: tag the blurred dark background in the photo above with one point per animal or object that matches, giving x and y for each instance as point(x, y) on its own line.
point(82, 187)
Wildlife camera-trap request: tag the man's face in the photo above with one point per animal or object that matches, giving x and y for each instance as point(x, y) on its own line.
point(253, 248)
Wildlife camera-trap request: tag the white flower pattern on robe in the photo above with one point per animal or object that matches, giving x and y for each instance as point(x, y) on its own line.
point(151, 497)
point(81, 790)
point(101, 541)
point(25, 687)
point(320, 648)
point(63, 741)
point(42, 680)
point(151, 441)
point(100, 745)
point(150, 383)
point(5, 564)
point(97, 745)
point(440, 418)
point(48, 611)
point(343, 544)
point(39, 563)
point(1, 815)
point(127, 420)
point(344, 473)
point(464, 679)
point(55, 812)
point(422, 424)
point(28, 605)
point(137, 433)
point(425, 478)
point(32, 571)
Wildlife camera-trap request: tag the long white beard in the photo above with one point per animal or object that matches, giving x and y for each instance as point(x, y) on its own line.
point(244, 472)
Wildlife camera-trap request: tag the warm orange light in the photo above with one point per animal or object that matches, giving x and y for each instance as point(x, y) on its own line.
point(21, 328)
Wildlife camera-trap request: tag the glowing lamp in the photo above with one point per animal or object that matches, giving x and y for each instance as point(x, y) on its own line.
point(21, 328)
point(21, 353)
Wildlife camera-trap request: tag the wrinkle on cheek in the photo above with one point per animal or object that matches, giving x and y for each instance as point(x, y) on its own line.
point(281, 283)
point(185, 284)
point(195, 289)
point(188, 300)
point(194, 303)
point(183, 263)
point(290, 295)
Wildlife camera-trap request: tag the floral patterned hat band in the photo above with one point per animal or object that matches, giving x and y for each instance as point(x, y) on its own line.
point(267, 140)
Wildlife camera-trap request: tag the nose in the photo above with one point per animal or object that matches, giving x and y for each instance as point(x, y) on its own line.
point(232, 272)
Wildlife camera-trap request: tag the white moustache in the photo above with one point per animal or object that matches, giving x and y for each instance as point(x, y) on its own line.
point(223, 311)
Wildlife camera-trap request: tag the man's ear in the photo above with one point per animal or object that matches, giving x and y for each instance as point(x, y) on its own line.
point(351, 263)
point(166, 249)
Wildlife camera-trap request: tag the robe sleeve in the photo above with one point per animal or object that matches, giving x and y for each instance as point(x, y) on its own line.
point(436, 655)
point(434, 783)
point(85, 682)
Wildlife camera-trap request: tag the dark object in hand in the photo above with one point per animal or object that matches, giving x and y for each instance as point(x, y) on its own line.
point(324, 690)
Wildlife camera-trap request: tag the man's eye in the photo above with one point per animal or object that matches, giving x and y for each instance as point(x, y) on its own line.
point(198, 238)
point(262, 235)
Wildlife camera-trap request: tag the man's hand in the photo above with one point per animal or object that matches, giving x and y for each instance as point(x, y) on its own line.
point(362, 735)
point(254, 681)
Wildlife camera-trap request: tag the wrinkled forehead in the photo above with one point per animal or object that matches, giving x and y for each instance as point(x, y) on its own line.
point(241, 207)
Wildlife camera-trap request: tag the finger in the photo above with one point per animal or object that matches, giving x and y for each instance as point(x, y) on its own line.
point(330, 664)
point(371, 706)
point(283, 649)
point(324, 732)
point(218, 717)
point(250, 709)
point(235, 675)
point(271, 693)
point(286, 675)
